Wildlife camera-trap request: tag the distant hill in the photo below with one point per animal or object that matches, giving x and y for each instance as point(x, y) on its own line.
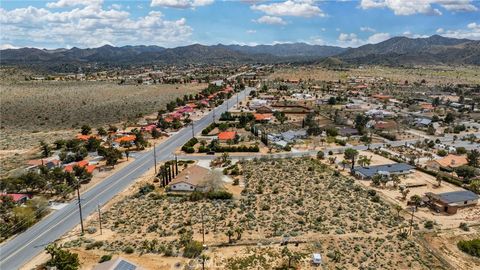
point(395, 51)
point(402, 50)
point(290, 50)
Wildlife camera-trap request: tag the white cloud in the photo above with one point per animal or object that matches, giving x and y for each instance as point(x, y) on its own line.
point(297, 8)
point(72, 3)
point(412, 35)
point(270, 20)
point(410, 7)
point(378, 37)
point(367, 29)
point(181, 3)
point(471, 32)
point(316, 41)
point(440, 30)
point(352, 39)
point(7, 46)
point(251, 31)
point(89, 26)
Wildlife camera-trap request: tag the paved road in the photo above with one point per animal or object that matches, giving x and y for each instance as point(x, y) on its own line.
point(19, 250)
point(446, 139)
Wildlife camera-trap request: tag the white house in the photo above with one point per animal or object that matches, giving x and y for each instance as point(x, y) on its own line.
point(190, 179)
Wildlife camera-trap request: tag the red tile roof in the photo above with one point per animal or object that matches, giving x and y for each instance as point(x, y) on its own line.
point(227, 135)
point(263, 116)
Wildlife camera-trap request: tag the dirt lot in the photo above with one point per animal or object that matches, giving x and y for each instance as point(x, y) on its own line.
point(432, 75)
point(29, 109)
point(298, 198)
point(47, 111)
point(470, 215)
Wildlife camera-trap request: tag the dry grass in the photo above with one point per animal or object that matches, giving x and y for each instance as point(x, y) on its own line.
point(432, 75)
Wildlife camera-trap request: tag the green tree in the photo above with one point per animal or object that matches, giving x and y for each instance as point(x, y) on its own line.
point(229, 234)
point(155, 133)
point(46, 150)
point(473, 158)
point(465, 171)
point(85, 130)
point(449, 118)
point(101, 131)
point(62, 259)
point(351, 154)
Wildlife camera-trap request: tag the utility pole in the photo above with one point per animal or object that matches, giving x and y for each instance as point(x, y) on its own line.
point(237, 100)
point(213, 114)
point(193, 131)
point(411, 220)
point(99, 218)
point(203, 231)
point(176, 165)
point(80, 205)
point(155, 159)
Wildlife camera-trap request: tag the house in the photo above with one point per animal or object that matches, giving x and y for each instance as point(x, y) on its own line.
point(423, 122)
point(426, 107)
point(263, 117)
point(117, 264)
point(447, 163)
point(347, 131)
point(450, 202)
point(264, 109)
point(84, 137)
point(17, 198)
point(385, 125)
point(50, 163)
point(383, 98)
point(124, 140)
point(227, 135)
point(190, 179)
point(256, 103)
point(83, 163)
point(386, 169)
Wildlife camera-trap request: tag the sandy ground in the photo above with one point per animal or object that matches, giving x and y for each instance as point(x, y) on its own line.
point(470, 215)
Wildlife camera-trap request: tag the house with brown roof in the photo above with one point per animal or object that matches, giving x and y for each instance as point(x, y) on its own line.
point(190, 179)
point(447, 163)
point(263, 117)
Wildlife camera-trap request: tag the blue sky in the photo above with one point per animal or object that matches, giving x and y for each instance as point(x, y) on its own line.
point(170, 23)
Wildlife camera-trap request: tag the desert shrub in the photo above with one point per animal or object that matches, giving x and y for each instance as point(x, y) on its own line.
point(428, 224)
point(96, 244)
point(91, 230)
point(192, 249)
point(145, 189)
point(471, 247)
point(129, 250)
point(195, 196)
point(105, 258)
point(236, 182)
point(218, 195)
point(464, 226)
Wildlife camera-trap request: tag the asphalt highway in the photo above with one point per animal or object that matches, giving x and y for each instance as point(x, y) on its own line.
point(19, 250)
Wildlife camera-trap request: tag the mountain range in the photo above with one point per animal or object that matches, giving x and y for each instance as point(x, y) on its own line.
point(395, 51)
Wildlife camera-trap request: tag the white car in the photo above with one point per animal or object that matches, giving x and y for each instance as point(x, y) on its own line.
point(317, 258)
